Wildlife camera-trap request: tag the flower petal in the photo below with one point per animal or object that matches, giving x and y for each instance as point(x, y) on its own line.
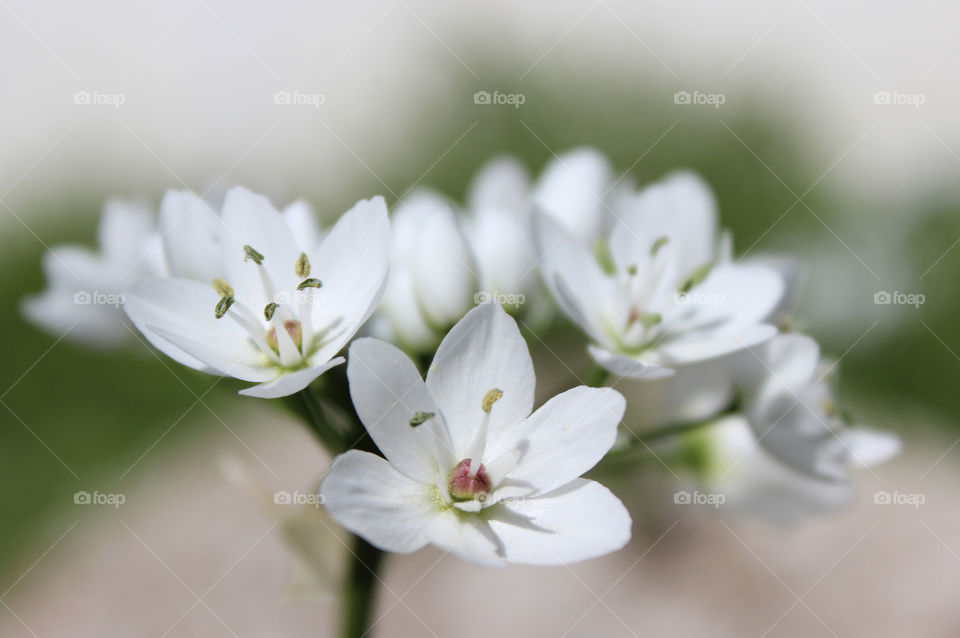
point(871, 447)
point(564, 438)
point(287, 383)
point(484, 351)
point(303, 221)
point(177, 317)
point(580, 520)
point(501, 184)
point(352, 262)
point(387, 392)
point(370, 497)
point(571, 190)
point(625, 366)
point(468, 537)
point(190, 231)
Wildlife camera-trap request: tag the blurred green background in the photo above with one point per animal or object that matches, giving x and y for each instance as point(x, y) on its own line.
point(99, 411)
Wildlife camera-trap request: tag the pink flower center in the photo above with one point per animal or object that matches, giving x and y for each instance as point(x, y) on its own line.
point(465, 486)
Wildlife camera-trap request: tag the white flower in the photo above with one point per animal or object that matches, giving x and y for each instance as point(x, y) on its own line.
point(432, 276)
point(791, 409)
point(85, 287)
point(790, 454)
point(660, 291)
point(468, 468)
point(279, 314)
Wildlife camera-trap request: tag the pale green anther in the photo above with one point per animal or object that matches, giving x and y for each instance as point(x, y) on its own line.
point(222, 307)
point(632, 270)
point(222, 287)
point(658, 243)
point(419, 418)
point(310, 283)
point(251, 253)
point(491, 397)
point(650, 319)
point(303, 266)
point(697, 276)
point(268, 310)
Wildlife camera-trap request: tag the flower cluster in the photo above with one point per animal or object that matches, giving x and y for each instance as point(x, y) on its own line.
point(461, 459)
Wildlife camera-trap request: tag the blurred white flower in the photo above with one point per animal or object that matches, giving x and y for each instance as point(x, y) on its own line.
point(84, 287)
point(432, 274)
point(659, 291)
point(790, 453)
point(278, 315)
point(468, 468)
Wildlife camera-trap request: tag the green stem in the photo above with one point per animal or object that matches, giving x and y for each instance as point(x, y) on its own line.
point(595, 376)
point(305, 404)
point(359, 593)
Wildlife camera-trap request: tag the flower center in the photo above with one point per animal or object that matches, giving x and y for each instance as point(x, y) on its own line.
point(293, 327)
point(466, 486)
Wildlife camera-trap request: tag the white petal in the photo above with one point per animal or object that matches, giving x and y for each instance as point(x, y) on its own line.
point(574, 278)
point(189, 229)
point(482, 352)
point(352, 263)
point(399, 318)
point(177, 316)
point(581, 520)
point(504, 253)
point(625, 366)
point(564, 438)
point(468, 537)
point(680, 207)
point(502, 184)
point(94, 325)
point(124, 226)
point(698, 347)
point(387, 391)
point(430, 243)
point(370, 497)
point(571, 190)
point(303, 221)
point(250, 219)
point(789, 364)
point(871, 447)
point(287, 383)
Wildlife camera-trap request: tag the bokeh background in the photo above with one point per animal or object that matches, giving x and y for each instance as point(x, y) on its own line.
point(806, 157)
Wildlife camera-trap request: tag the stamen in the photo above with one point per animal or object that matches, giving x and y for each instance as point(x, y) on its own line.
point(696, 277)
point(632, 270)
point(310, 283)
point(222, 287)
point(658, 243)
point(292, 328)
point(480, 442)
point(269, 310)
point(222, 307)
point(419, 418)
point(302, 269)
point(250, 253)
